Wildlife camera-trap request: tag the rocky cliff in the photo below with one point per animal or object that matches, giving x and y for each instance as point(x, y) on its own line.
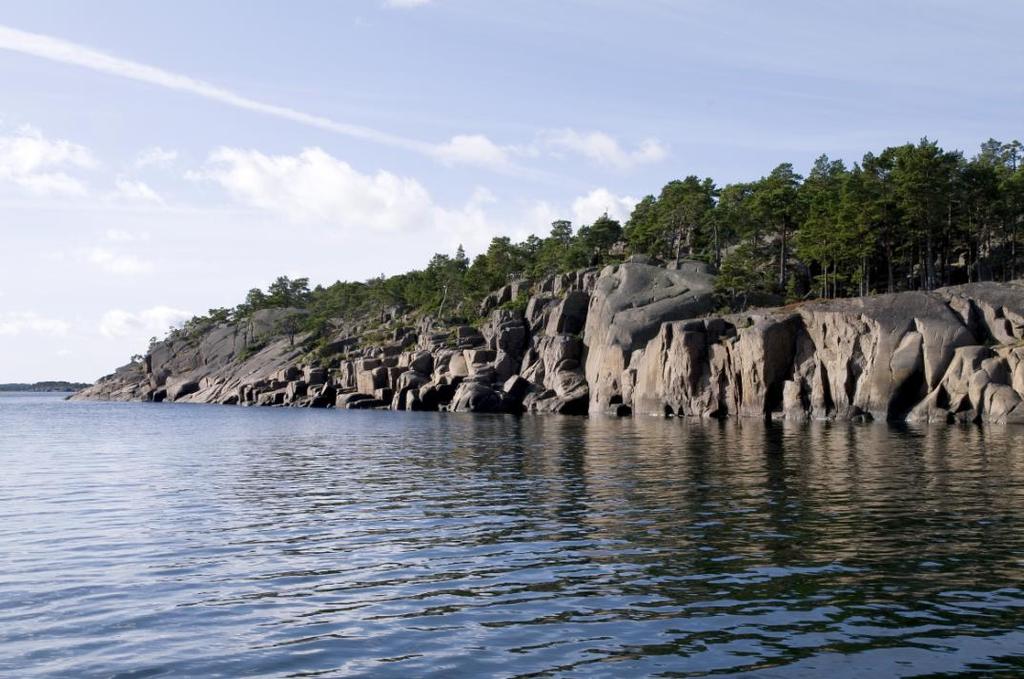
point(633, 338)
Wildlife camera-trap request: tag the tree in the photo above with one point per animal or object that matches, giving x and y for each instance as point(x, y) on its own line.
point(285, 292)
point(826, 236)
point(744, 273)
point(551, 255)
point(922, 177)
point(877, 208)
point(776, 203)
point(683, 211)
point(676, 221)
point(642, 227)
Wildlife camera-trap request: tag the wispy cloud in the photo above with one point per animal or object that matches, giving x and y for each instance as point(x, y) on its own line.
point(156, 156)
point(469, 149)
point(406, 4)
point(604, 149)
point(135, 190)
point(118, 263)
point(66, 52)
point(124, 236)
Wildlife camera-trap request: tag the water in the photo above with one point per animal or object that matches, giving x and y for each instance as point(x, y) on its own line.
point(145, 540)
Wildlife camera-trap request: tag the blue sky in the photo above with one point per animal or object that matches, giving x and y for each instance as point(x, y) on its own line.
point(158, 159)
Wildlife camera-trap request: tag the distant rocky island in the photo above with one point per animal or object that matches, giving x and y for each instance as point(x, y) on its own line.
point(631, 338)
point(56, 385)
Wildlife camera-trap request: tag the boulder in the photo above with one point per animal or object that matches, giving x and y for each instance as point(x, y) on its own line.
point(288, 374)
point(323, 397)
point(345, 400)
point(367, 404)
point(434, 396)
point(458, 366)
point(179, 390)
point(314, 376)
point(295, 390)
point(368, 381)
point(411, 379)
point(422, 362)
point(475, 397)
point(477, 360)
point(516, 388)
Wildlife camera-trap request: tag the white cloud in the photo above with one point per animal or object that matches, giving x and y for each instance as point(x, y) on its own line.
point(156, 156)
point(404, 4)
point(135, 190)
point(475, 149)
point(15, 323)
point(316, 187)
point(586, 209)
point(124, 236)
point(40, 165)
point(147, 323)
point(118, 263)
point(604, 149)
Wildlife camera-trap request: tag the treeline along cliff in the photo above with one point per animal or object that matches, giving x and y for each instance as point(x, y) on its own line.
point(654, 317)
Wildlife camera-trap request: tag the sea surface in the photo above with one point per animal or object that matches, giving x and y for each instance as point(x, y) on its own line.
point(141, 540)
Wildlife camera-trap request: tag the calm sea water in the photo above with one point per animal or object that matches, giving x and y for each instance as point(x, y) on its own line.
point(144, 540)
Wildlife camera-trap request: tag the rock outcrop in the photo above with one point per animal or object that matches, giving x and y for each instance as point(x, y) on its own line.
point(629, 305)
point(632, 338)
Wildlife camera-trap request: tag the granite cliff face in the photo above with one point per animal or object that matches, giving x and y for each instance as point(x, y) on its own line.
point(633, 338)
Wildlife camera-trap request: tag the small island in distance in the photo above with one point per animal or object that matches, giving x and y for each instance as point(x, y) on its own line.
point(50, 385)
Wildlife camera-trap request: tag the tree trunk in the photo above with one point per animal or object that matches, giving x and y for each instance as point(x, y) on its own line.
point(718, 252)
point(890, 288)
point(444, 298)
point(782, 258)
point(929, 265)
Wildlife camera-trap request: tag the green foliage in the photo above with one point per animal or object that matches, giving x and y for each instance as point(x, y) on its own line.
point(745, 273)
point(250, 350)
point(518, 304)
point(675, 223)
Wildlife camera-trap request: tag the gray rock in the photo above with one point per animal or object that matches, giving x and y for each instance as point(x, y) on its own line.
point(516, 388)
point(475, 397)
point(176, 391)
point(628, 306)
point(569, 316)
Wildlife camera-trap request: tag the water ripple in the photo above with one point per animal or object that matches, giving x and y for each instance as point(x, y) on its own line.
point(140, 540)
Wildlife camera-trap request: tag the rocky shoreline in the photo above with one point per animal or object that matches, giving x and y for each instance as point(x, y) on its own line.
point(633, 338)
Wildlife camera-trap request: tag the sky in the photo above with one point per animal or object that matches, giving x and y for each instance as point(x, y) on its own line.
point(160, 159)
